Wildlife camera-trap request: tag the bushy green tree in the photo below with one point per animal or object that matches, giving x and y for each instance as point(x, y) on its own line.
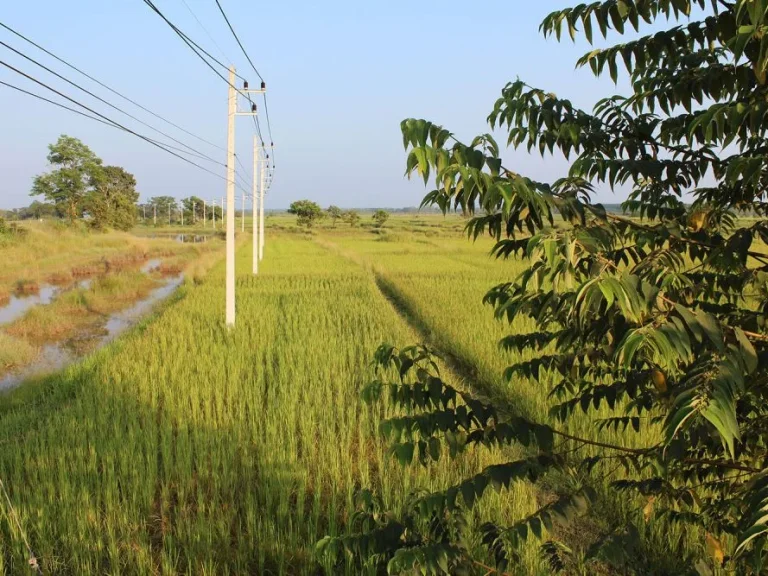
point(334, 213)
point(193, 206)
point(380, 217)
point(67, 186)
point(165, 205)
point(307, 212)
point(658, 318)
point(112, 202)
point(351, 217)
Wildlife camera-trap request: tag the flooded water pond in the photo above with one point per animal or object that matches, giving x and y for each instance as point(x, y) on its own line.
point(182, 238)
point(18, 304)
point(54, 357)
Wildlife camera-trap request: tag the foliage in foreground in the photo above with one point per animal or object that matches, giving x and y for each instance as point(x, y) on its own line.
point(660, 319)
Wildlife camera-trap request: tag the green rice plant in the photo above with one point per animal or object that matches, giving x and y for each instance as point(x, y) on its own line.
point(184, 447)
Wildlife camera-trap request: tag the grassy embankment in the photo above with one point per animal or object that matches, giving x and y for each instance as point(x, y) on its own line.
point(96, 273)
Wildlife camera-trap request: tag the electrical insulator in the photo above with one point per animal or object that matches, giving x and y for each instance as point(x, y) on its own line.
point(263, 85)
point(267, 156)
point(272, 144)
point(253, 108)
point(245, 84)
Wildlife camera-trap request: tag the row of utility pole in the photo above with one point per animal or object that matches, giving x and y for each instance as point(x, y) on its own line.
point(260, 159)
point(193, 212)
point(260, 174)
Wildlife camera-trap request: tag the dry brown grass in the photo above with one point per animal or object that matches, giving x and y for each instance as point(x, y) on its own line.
point(26, 287)
point(60, 278)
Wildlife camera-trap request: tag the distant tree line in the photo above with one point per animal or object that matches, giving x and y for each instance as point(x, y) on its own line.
point(308, 213)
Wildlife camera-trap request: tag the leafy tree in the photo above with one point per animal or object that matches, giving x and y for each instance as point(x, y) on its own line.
point(112, 202)
point(351, 217)
point(380, 217)
point(307, 212)
point(658, 320)
point(68, 185)
point(163, 204)
point(37, 210)
point(334, 213)
point(191, 205)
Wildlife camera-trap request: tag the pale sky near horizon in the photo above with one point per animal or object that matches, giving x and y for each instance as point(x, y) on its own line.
point(341, 76)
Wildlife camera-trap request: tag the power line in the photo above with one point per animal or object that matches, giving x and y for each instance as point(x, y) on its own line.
point(227, 58)
point(126, 98)
point(238, 39)
point(111, 122)
point(266, 107)
point(197, 49)
point(194, 46)
point(99, 98)
point(89, 116)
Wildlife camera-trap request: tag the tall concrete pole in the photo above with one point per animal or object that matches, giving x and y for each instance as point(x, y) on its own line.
point(255, 206)
point(261, 211)
point(230, 282)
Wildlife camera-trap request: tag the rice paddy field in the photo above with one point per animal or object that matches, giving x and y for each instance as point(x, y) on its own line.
point(185, 448)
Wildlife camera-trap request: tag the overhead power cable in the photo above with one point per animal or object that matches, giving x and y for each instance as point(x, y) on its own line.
point(113, 123)
point(100, 99)
point(80, 113)
point(197, 49)
point(226, 58)
point(238, 39)
point(247, 56)
point(194, 46)
point(124, 97)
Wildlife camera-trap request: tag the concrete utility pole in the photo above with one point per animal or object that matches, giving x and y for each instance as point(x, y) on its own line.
point(254, 206)
point(169, 214)
point(204, 209)
point(213, 208)
point(144, 210)
point(261, 209)
point(182, 215)
point(194, 216)
point(242, 213)
point(155, 214)
point(230, 282)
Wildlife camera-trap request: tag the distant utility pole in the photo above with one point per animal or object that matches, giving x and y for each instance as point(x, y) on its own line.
point(169, 214)
point(194, 216)
point(144, 212)
point(155, 214)
point(182, 215)
point(213, 207)
point(242, 214)
point(204, 208)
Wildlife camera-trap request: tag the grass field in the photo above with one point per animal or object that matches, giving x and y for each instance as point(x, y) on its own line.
point(183, 448)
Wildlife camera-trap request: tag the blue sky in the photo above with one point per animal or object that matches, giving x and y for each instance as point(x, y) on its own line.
point(341, 76)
